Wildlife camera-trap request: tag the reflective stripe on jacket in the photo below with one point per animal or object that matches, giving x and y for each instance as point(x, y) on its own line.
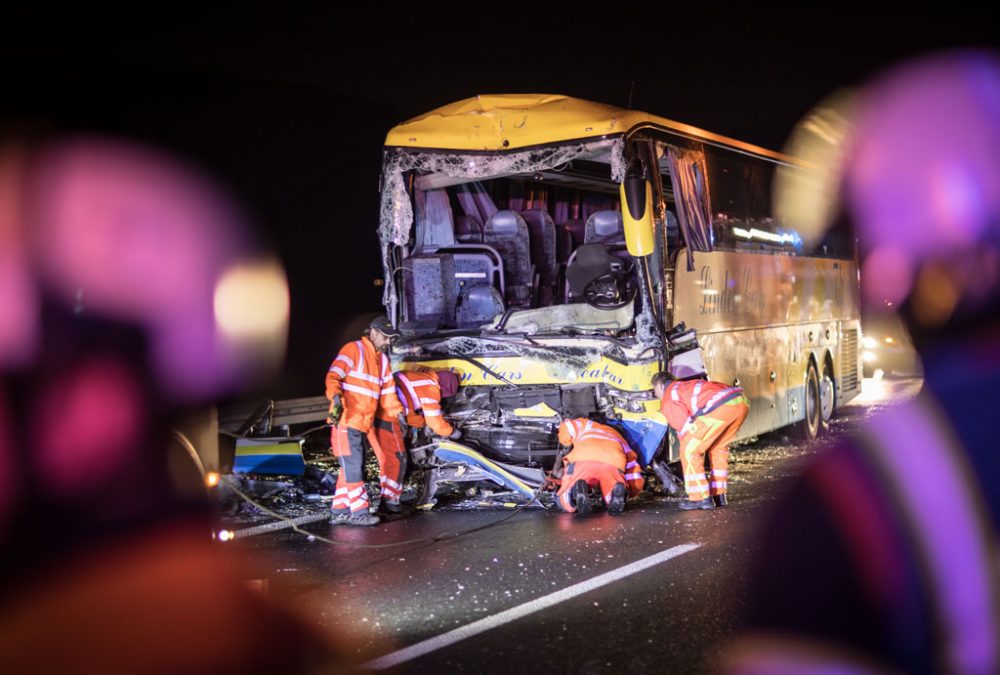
point(685, 400)
point(360, 375)
point(420, 394)
point(592, 441)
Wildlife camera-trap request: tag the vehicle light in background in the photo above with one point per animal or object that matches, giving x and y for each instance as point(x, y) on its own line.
point(888, 340)
point(224, 535)
point(211, 479)
point(868, 356)
point(251, 305)
point(869, 342)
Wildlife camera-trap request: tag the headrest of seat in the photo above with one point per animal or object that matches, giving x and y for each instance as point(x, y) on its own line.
point(505, 223)
point(606, 224)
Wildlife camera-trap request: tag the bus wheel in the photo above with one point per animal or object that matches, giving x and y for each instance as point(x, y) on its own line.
point(809, 427)
point(827, 398)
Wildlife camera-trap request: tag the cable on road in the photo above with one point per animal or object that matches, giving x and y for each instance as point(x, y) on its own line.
point(294, 523)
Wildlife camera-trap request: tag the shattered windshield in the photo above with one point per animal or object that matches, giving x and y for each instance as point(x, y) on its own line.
point(530, 242)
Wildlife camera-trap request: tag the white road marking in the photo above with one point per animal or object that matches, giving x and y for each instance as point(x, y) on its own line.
point(476, 627)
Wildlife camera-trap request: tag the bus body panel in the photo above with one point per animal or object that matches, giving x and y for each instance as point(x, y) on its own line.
point(762, 319)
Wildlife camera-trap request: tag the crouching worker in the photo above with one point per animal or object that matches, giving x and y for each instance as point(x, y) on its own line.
point(706, 416)
point(421, 393)
point(598, 458)
point(362, 397)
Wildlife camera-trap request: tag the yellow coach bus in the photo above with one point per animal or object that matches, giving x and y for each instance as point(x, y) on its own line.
point(547, 249)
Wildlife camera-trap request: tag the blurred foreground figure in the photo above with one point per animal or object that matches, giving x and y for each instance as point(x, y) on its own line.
point(883, 556)
point(129, 293)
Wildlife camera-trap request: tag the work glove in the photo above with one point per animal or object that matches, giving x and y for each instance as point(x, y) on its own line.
point(552, 483)
point(336, 410)
point(455, 435)
point(403, 426)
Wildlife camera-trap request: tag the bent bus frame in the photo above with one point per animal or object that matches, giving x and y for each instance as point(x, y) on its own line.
point(511, 259)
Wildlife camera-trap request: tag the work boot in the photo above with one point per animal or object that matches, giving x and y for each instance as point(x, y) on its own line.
point(390, 508)
point(688, 505)
point(359, 519)
point(581, 498)
point(720, 501)
point(616, 505)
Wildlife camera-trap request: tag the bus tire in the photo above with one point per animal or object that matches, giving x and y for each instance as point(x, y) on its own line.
point(827, 397)
point(809, 426)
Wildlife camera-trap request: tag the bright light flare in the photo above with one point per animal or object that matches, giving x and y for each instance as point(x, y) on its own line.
point(225, 535)
point(869, 342)
point(252, 305)
point(212, 479)
point(251, 301)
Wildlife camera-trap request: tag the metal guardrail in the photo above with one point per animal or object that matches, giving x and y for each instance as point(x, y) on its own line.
point(269, 413)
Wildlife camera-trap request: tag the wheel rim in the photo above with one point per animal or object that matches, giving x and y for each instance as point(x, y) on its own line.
point(812, 401)
point(826, 396)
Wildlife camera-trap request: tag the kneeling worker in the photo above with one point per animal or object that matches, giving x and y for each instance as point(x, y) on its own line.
point(706, 416)
point(599, 457)
point(421, 392)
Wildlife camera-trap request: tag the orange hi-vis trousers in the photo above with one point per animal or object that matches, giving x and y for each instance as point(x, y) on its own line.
point(386, 440)
point(711, 434)
point(595, 474)
point(348, 446)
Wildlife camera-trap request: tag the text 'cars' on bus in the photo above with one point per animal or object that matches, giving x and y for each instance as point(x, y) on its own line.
point(542, 247)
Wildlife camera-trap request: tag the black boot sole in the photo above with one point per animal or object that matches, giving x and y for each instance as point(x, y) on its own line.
point(581, 498)
point(616, 505)
point(703, 504)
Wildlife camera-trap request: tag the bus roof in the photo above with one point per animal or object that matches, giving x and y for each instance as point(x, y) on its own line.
point(498, 122)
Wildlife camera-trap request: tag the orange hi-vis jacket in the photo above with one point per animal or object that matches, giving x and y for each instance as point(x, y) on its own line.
point(420, 392)
point(361, 376)
point(686, 400)
point(592, 441)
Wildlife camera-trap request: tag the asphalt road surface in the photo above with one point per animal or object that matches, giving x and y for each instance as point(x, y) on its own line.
point(542, 591)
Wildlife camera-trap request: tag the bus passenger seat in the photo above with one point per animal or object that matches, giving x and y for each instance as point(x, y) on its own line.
point(605, 227)
point(564, 244)
point(430, 295)
point(507, 232)
point(468, 230)
point(577, 229)
point(543, 251)
point(477, 306)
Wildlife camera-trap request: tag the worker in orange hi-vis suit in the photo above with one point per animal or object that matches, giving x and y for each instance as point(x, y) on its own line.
point(359, 385)
point(599, 458)
point(706, 416)
point(421, 393)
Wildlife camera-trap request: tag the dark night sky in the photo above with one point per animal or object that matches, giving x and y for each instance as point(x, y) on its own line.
point(289, 109)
